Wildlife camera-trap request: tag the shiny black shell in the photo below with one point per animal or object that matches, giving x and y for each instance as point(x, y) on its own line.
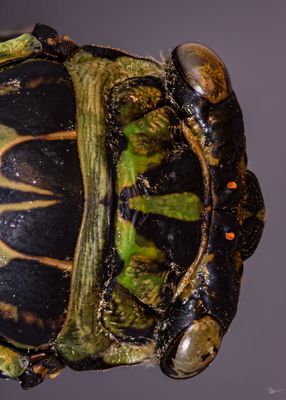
point(34, 109)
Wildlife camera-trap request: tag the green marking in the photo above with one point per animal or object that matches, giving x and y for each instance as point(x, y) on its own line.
point(144, 279)
point(142, 273)
point(126, 312)
point(129, 243)
point(148, 139)
point(82, 334)
point(182, 206)
point(12, 364)
point(21, 47)
point(261, 215)
point(246, 213)
point(136, 101)
point(128, 353)
point(7, 135)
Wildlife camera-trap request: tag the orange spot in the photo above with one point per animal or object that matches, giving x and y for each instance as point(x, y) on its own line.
point(230, 235)
point(232, 185)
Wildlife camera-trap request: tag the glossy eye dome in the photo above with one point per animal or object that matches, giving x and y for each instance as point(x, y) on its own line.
point(203, 70)
point(193, 350)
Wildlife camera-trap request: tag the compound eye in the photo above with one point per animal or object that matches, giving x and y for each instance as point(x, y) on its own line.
point(203, 70)
point(193, 350)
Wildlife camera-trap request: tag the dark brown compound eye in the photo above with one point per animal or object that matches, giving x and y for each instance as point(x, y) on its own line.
point(193, 350)
point(203, 70)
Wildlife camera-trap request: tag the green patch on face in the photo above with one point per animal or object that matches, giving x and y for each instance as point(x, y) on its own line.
point(129, 242)
point(182, 206)
point(21, 47)
point(148, 139)
point(142, 274)
point(148, 142)
point(145, 278)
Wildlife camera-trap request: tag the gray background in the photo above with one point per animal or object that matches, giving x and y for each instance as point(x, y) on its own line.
point(250, 37)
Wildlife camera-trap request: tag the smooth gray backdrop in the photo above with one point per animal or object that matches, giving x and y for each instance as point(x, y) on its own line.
point(250, 37)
